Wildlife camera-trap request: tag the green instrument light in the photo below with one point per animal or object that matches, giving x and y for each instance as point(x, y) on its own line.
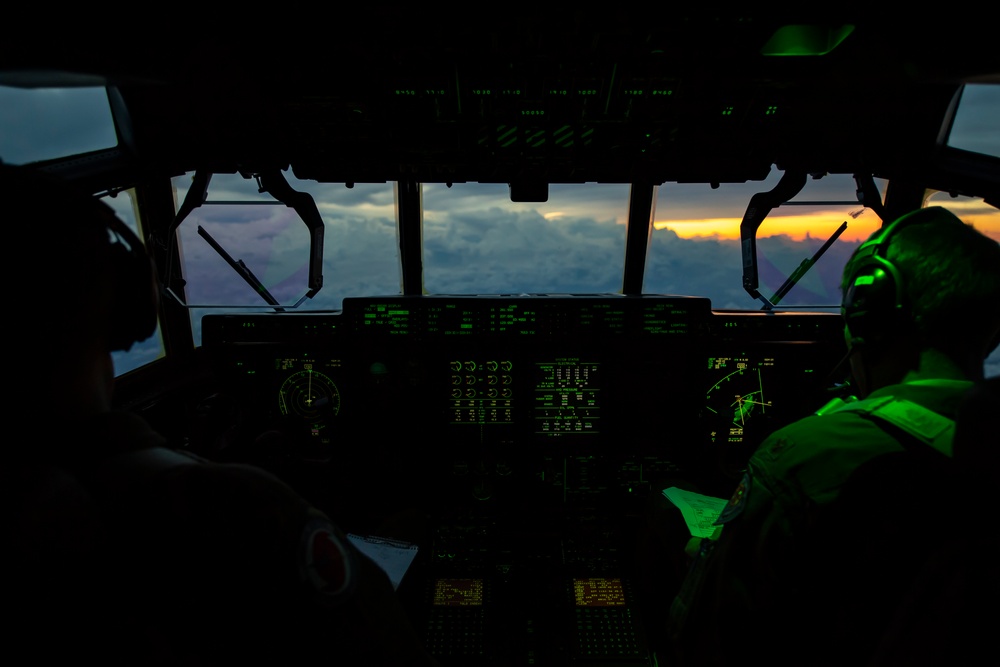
point(805, 40)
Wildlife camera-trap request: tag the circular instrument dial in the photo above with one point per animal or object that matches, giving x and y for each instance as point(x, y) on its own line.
point(310, 395)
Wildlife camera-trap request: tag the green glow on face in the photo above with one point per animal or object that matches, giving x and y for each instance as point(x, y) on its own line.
point(805, 40)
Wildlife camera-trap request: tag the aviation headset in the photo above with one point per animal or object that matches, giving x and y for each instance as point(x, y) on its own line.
point(134, 299)
point(875, 304)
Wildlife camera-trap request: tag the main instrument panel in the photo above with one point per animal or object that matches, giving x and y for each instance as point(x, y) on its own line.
point(535, 432)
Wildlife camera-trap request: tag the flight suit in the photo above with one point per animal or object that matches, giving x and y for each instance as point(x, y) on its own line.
point(792, 567)
point(135, 553)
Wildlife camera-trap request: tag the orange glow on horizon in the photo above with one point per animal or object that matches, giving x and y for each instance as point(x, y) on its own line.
point(818, 225)
point(797, 227)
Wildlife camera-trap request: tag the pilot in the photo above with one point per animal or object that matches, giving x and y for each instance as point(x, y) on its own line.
point(838, 514)
point(122, 547)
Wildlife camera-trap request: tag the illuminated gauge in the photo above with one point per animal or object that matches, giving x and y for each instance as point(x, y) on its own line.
point(738, 413)
point(737, 400)
point(482, 489)
point(310, 395)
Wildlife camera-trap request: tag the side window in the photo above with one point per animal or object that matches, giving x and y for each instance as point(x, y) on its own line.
point(38, 124)
point(150, 349)
point(47, 123)
point(976, 128)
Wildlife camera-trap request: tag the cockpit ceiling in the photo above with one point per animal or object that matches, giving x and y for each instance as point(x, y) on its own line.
point(397, 94)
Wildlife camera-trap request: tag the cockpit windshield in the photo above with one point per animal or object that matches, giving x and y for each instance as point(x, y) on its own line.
point(476, 240)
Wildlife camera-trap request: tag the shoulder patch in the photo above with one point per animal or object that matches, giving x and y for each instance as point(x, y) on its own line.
point(736, 502)
point(774, 447)
point(325, 561)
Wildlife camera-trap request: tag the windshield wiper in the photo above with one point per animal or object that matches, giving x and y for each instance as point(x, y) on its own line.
point(272, 182)
point(760, 206)
point(241, 268)
point(806, 264)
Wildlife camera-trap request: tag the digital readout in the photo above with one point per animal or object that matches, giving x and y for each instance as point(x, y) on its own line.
point(458, 592)
point(599, 592)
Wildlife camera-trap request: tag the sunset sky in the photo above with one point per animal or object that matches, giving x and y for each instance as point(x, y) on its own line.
point(477, 241)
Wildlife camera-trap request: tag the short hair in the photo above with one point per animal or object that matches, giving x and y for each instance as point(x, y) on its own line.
point(950, 275)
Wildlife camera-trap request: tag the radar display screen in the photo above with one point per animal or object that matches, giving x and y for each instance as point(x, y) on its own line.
point(739, 398)
point(458, 593)
point(598, 592)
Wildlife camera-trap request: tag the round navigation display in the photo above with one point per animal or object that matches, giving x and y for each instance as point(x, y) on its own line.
point(310, 395)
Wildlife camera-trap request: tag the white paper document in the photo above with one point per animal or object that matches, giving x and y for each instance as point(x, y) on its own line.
point(699, 511)
point(393, 556)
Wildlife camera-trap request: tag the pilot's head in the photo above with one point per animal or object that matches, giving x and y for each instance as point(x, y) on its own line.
point(83, 282)
point(927, 281)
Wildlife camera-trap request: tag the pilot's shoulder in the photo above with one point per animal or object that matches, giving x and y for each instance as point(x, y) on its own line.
point(233, 489)
point(814, 455)
point(248, 522)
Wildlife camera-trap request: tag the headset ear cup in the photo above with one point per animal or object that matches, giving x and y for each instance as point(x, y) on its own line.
point(874, 305)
